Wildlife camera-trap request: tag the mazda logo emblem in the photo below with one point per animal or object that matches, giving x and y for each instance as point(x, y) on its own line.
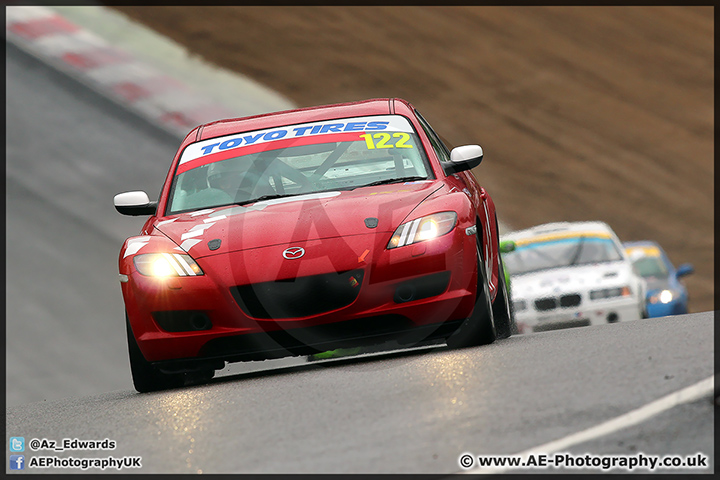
point(293, 252)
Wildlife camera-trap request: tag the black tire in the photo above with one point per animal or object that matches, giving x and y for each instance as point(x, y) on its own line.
point(503, 313)
point(147, 378)
point(479, 328)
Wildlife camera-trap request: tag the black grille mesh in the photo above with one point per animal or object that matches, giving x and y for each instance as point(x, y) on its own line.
point(299, 297)
point(570, 300)
point(544, 304)
point(551, 303)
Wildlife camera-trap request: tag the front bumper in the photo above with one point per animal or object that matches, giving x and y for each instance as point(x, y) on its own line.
point(588, 312)
point(676, 307)
point(249, 304)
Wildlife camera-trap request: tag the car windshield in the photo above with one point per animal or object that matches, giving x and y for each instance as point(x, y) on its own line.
point(301, 159)
point(558, 251)
point(650, 267)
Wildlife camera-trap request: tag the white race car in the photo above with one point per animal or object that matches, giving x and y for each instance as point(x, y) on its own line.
point(571, 274)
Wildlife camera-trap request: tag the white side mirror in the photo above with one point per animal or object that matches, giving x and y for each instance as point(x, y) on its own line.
point(134, 203)
point(466, 153)
point(463, 158)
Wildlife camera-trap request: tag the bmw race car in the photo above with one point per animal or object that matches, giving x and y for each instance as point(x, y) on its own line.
point(305, 231)
point(666, 294)
point(571, 274)
point(507, 246)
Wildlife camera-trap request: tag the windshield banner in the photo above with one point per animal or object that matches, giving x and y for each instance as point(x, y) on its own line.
point(340, 130)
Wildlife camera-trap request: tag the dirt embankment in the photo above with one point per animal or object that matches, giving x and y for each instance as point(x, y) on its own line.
point(585, 113)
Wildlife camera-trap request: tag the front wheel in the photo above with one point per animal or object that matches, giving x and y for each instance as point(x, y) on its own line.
point(502, 307)
point(147, 378)
point(479, 328)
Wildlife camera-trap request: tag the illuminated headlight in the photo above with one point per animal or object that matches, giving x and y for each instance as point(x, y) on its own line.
point(663, 296)
point(424, 228)
point(166, 265)
point(610, 293)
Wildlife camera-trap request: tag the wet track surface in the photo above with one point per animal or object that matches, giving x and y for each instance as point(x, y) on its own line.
point(69, 151)
point(415, 412)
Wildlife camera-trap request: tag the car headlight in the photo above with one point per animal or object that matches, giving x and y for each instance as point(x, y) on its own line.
point(423, 228)
point(663, 296)
point(610, 293)
point(519, 305)
point(166, 265)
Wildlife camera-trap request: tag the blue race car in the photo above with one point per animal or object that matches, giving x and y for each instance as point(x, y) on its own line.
point(666, 294)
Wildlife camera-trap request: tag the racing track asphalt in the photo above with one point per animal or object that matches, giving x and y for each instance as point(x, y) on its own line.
point(69, 151)
point(67, 154)
point(408, 413)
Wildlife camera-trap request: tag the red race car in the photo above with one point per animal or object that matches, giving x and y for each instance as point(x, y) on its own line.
point(303, 231)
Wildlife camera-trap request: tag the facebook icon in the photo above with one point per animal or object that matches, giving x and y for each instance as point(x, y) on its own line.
point(17, 462)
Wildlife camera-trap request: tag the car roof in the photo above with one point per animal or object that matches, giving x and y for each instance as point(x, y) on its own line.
point(374, 106)
point(559, 228)
point(646, 248)
point(640, 243)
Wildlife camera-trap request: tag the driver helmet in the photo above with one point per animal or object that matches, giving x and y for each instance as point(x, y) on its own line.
point(225, 175)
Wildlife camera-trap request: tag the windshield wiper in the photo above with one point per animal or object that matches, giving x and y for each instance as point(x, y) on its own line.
point(391, 180)
point(265, 197)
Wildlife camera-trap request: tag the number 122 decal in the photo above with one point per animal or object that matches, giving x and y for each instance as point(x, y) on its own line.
point(384, 138)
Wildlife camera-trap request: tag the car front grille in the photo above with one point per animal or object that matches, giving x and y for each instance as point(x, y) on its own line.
point(551, 303)
point(544, 304)
point(299, 297)
point(570, 300)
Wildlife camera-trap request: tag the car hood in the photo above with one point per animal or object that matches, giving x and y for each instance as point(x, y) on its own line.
point(295, 220)
point(577, 279)
point(654, 283)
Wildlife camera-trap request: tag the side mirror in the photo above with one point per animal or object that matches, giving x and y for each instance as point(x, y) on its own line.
point(507, 246)
point(463, 158)
point(134, 203)
point(684, 269)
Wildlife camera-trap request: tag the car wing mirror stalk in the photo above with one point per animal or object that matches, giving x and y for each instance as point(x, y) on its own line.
point(463, 158)
point(684, 269)
point(134, 204)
